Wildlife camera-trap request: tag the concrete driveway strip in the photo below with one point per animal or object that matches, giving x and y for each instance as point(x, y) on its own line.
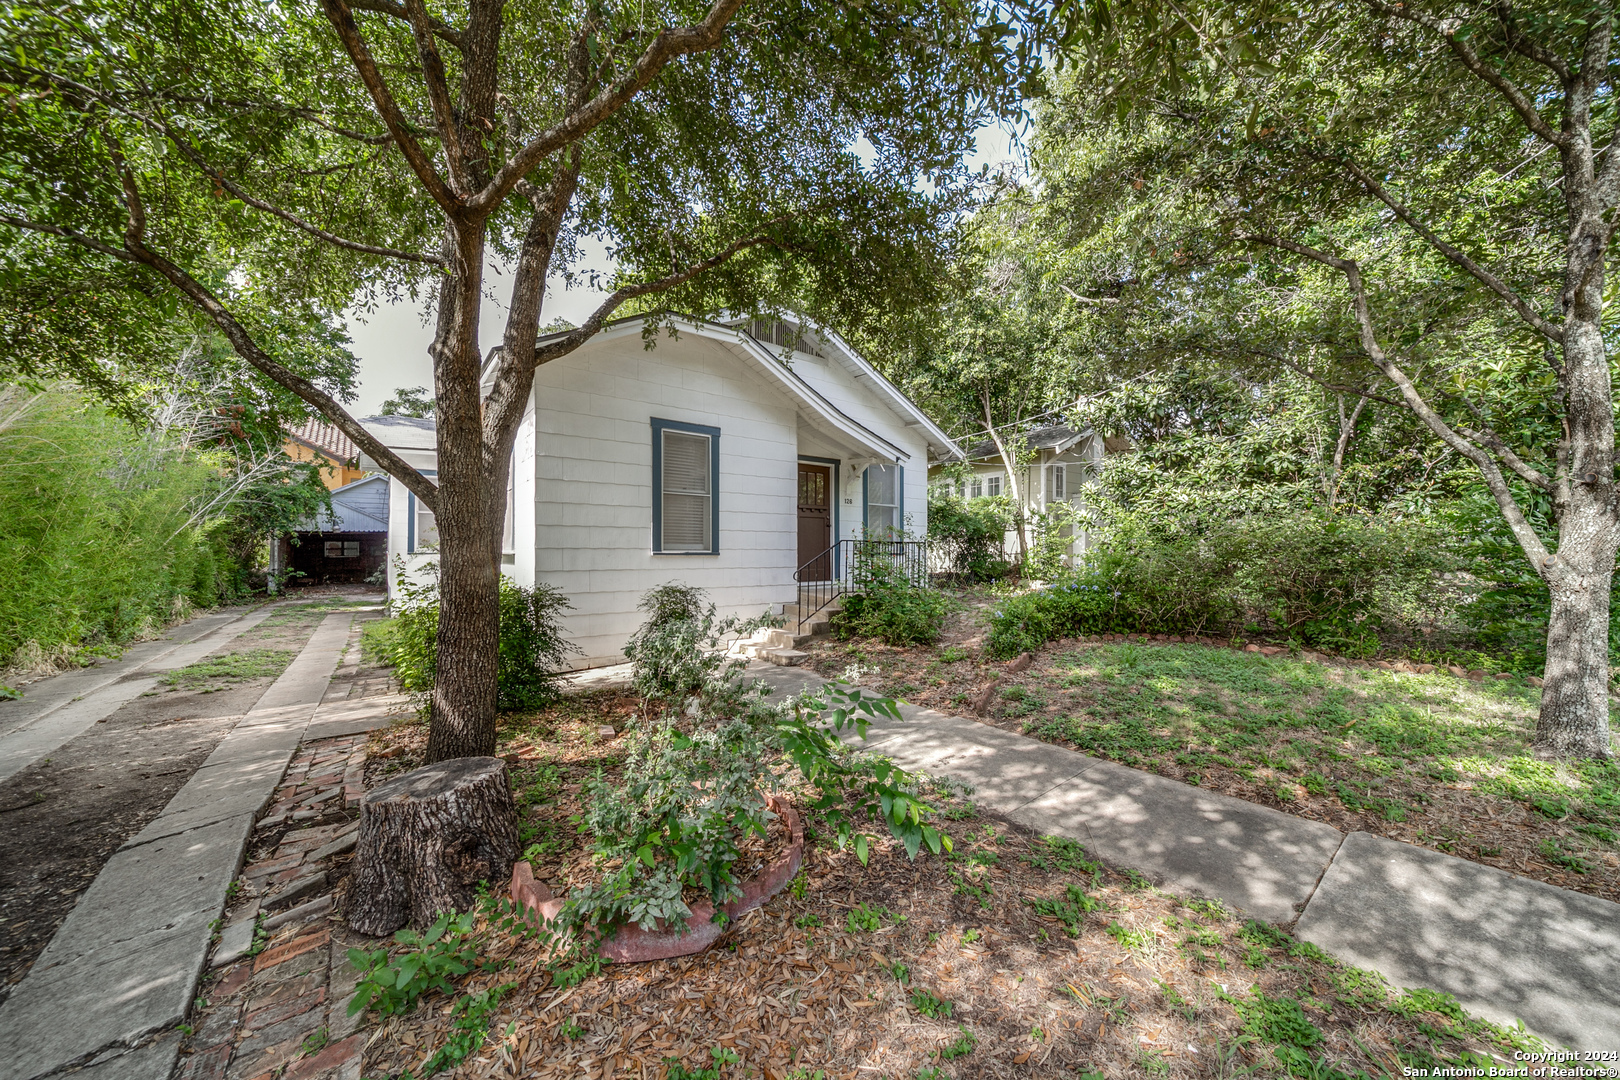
point(1506, 947)
point(66, 710)
point(125, 963)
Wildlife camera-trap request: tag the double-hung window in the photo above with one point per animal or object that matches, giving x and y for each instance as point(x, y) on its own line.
point(1060, 475)
point(992, 485)
point(421, 527)
point(975, 488)
point(884, 500)
point(686, 468)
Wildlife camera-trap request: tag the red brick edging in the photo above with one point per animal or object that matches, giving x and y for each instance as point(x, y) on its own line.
point(632, 944)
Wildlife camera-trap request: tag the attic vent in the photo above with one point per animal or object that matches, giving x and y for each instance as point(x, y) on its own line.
point(785, 335)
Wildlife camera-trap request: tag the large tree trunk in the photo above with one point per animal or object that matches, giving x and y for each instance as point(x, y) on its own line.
point(1574, 720)
point(427, 839)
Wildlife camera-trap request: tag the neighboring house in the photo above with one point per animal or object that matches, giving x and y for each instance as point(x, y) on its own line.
point(333, 451)
point(347, 547)
point(727, 457)
point(1061, 463)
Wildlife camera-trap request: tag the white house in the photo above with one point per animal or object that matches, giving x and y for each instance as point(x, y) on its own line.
point(726, 457)
point(1059, 464)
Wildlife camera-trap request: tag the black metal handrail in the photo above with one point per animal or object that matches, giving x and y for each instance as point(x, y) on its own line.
point(848, 566)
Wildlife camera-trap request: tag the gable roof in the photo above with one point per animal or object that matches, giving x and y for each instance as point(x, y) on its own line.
point(782, 375)
point(403, 432)
point(1054, 437)
point(358, 507)
point(325, 439)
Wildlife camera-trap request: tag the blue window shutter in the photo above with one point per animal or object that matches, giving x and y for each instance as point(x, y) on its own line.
point(659, 426)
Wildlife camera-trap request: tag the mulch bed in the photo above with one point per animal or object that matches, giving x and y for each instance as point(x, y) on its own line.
point(1150, 984)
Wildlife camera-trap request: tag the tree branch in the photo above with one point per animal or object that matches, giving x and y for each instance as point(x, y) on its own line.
point(1521, 102)
point(1484, 276)
point(442, 30)
point(342, 20)
point(544, 354)
point(218, 176)
point(438, 88)
point(1528, 47)
point(1526, 472)
point(1534, 550)
point(666, 46)
point(136, 252)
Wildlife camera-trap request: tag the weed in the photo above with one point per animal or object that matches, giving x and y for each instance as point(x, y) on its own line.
point(1128, 938)
point(953, 654)
point(870, 917)
point(927, 1004)
point(901, 973)
point(721, 1058)
point(431, 959)
point(810, 920)
point(1070, 911)
point(1258, 933)
point(1136, 881)
point(570, 1030)
point(1358, 986)
point(1556, 851)
point(1598, 832)
point(962, 1046)
point(469, 1027)
point(316, 1041)
point(1278, 1020)
point(1060, 855)
point(1209, 909)
point(971, 936)
point(799, 885)
point(215, 673)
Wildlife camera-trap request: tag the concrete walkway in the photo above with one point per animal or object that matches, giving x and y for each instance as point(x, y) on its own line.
point(55, 710)
point(1507, 947)
point(123, 969)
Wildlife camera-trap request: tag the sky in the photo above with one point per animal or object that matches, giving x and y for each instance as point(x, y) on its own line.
point(391, 342)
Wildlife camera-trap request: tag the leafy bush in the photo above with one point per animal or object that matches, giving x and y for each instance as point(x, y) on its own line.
point(969, 537)
point(1326, 581)
point(889, 607)
point(429, 961)
point(531, 649)
point(679, 649)
point(696, 775)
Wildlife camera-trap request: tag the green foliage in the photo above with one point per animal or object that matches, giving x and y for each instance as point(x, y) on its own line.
point(1128, 938)
point(1070, 909)
point(678, 650)
point(721, 1057)
point(471, 1015)
point(428, 961)
point(1060, 855)
point(409, 401)
point(531, 649)
point(107, 532)
point(219, 671)
point(930, 1005)
point(867, 918)
point(961, 1046)
point(1329, 582)
point(889, 606)
point(696, 776)
point(968, 536)
point(1278, 1020)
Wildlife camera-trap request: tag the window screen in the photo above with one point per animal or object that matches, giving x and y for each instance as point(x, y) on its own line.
point(975, 488)
point(688, 492)
point(992, 485)
point(1059, 476)
point(883, 498)
point(427, 528)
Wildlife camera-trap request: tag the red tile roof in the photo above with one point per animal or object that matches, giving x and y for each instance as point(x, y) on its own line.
point(322, 436)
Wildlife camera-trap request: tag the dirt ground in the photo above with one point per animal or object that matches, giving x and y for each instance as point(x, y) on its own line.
point(1421, 801)
point(1016, 955)
point(64, 816)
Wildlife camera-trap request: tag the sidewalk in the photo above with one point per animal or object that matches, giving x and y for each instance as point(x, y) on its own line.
point(123, 969)
point(1507, 947)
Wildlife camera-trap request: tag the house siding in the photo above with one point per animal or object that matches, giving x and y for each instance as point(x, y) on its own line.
point(593, 482)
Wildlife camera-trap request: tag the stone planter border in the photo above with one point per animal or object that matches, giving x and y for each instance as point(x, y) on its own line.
point(631, 944)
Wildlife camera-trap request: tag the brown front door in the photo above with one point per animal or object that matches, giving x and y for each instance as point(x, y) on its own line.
point(815, 521)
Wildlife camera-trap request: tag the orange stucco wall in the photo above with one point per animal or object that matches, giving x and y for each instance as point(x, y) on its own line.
point(332, 475)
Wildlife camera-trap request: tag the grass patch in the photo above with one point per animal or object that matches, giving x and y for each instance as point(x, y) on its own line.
point(214, 673)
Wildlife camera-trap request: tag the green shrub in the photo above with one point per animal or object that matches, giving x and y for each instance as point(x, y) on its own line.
point(531, 648)
point(889, 607)
point(679, 649)
point(969, 536)
point(1329, 582)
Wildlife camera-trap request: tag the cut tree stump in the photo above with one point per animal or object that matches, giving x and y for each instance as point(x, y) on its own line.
point(427, 839)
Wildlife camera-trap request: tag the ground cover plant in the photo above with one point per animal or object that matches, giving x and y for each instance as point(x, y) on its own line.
point(1430, 759)
point(890, 970)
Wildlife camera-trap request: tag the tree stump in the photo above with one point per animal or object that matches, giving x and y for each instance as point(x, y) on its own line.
point(427, 839)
